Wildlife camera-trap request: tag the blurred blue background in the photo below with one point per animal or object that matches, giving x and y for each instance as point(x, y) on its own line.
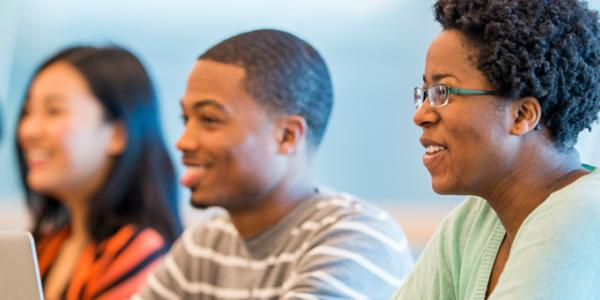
point(375, 50)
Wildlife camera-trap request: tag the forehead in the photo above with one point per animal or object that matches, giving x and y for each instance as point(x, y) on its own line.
point(58, 78)
point(216, 81)
point(212, 74)
point(449, 54)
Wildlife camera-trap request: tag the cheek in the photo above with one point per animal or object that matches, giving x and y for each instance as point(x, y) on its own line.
point(252, 160)
point(71, 138)
point(56, 138)
point(463, 129)
point(468, 143)
point(477, 145)
point(85, 149)
point(246, 157)
point(466, 136)
point(229, 155)
point(59, 134)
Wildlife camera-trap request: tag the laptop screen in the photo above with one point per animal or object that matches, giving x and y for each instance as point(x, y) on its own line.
point(19, 276)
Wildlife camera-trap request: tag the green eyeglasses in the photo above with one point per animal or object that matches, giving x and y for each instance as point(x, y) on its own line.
point(437, 94)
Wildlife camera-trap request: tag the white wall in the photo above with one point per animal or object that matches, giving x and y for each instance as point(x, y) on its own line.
point(9, 18)
point(8, 22)
point(375, 50)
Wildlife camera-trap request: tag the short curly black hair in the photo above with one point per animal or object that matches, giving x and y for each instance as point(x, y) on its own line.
point(547, 49)
point(283, 73)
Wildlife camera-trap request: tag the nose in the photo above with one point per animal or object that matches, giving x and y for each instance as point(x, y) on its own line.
point(426, 116)
point(186, 141)
point(30, 127)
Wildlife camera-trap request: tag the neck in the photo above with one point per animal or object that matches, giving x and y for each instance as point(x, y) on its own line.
point(523, 190)
point(78, 211)
point(251, 221)
point(77, 201)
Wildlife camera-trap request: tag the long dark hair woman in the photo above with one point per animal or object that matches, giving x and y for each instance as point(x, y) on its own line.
point(99, 182)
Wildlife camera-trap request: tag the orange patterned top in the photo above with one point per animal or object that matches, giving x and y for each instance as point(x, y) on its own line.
point(112, 269)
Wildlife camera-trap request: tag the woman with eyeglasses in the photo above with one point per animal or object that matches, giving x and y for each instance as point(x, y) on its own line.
point(508, 86)
point(98, 179)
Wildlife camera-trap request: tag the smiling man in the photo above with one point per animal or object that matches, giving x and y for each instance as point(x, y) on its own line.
point(255, 109)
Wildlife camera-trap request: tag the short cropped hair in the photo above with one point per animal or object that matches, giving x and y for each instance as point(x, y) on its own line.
point(284, 74)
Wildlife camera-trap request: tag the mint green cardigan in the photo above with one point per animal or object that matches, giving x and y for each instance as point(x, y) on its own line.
point(555, 254)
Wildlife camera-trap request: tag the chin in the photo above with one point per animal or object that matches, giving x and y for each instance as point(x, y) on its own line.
point(450, 188)
point(199, 205)
point(38, 186)
point(441, 191)
point(196, 202)
point(201, 201)
point(441, 187)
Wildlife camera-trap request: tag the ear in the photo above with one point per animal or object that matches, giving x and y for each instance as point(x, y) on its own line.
point(526, 113)
point(290, 133)
point(118, 139)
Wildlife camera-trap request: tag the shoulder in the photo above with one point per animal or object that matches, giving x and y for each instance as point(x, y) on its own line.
point(52, 239)
point(352, 243)
point(130, 246)
point(335, 211)
point(570, 214)
point(122, 261)
point(137, 239)
point(340, 206)
point(575, 207)
point(557, 242)
point(341, 224)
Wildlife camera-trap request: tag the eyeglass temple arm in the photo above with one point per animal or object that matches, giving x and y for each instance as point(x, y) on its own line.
point(458, 91)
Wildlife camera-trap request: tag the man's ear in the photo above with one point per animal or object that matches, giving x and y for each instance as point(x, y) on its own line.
point(290, 133)
point(118, 139)
point(526, 115)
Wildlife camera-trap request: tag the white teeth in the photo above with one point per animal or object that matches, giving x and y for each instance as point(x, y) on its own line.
point(431, 149)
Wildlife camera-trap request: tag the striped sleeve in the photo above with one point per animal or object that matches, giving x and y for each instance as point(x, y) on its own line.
point(337, 250)
point(364, 256)
point(161, 283)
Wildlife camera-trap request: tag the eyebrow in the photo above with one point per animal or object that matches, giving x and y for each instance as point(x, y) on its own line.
point(438, 77)
point(205, 102)
point(52, 98)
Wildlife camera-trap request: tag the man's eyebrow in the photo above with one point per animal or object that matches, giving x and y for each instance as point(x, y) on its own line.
point(205, 102)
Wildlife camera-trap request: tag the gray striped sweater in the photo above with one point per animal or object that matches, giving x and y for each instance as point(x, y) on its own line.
point(332, 246)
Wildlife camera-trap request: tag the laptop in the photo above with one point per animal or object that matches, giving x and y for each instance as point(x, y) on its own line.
point(19, 275)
